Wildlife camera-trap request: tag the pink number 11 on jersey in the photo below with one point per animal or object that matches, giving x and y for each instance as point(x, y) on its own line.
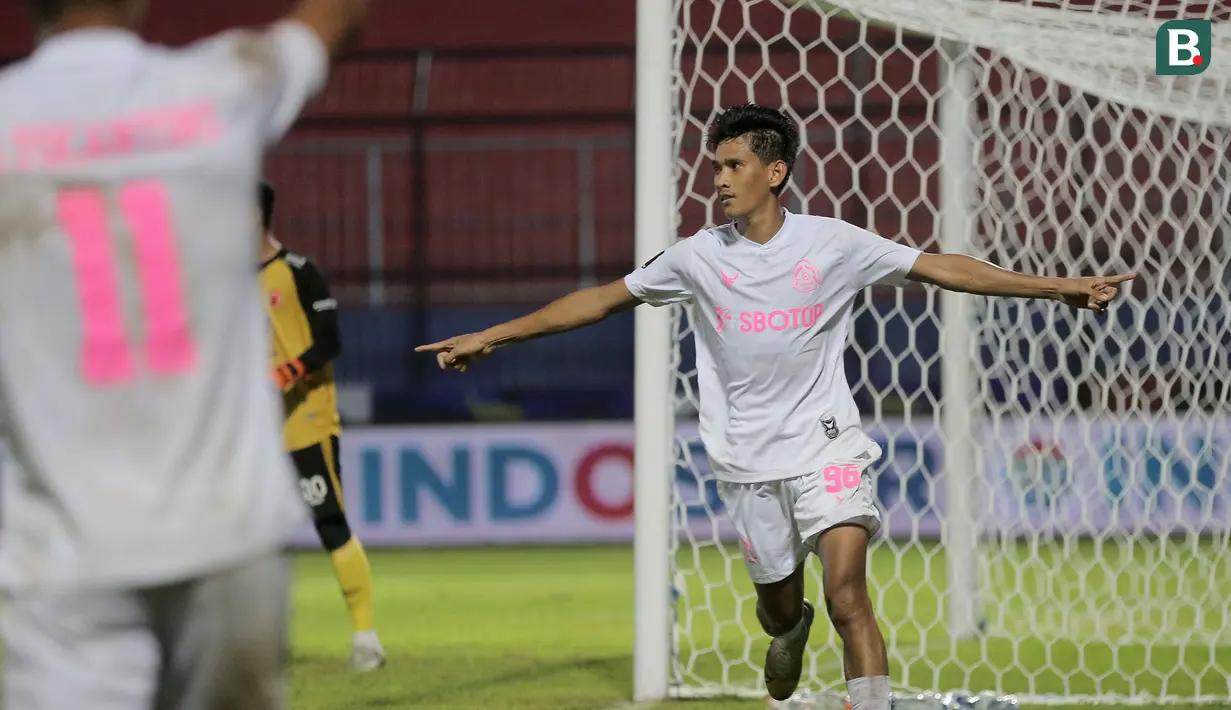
point(108, 356)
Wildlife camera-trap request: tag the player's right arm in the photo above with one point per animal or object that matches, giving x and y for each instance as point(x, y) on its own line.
point(303, 44)
point(335, 22)
point(576, 310)
point(662, 280)
point(283, 66)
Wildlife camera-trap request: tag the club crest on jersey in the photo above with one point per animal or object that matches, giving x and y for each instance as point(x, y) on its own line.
point(275, 298)
point(805, 279)
point(830, 425)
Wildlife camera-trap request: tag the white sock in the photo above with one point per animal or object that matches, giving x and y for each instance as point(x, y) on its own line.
point(366, 638)
point(869, 693)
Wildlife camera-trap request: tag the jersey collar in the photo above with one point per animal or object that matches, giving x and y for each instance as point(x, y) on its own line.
point(786, 223)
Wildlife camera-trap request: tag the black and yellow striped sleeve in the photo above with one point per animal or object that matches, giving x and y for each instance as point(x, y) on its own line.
point(321, 311)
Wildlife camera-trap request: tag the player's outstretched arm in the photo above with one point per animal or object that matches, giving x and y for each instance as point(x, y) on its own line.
point(958, 272)
point(336, 22)
point(580, 308)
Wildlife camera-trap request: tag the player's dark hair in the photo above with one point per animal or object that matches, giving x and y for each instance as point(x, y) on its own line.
point(772, 134)
point(268, 198)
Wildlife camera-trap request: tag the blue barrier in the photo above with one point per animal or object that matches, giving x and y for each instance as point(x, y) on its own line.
point(588, 374)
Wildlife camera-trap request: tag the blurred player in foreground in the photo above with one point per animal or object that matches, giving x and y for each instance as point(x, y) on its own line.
point(775, 292)
point(150, 500)
point(303, 316)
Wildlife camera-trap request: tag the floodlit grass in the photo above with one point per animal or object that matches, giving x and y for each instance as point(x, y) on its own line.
point(552, 627)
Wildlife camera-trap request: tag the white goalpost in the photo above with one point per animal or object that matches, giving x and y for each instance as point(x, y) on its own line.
point(653, 399)
point(1056, 487)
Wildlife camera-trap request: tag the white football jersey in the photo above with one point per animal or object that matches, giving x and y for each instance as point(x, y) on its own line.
point(143, 431)
point(771, 324)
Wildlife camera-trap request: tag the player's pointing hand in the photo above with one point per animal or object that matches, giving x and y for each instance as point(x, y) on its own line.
point(458, 352)
point(1091, 292)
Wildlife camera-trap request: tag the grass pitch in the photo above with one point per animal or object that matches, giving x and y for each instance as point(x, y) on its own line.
point(551, 628)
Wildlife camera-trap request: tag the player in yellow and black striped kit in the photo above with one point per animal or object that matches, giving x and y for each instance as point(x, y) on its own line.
point(304, 321)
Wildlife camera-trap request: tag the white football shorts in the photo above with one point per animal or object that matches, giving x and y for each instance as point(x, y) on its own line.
point(218, 641)
point(779, 521)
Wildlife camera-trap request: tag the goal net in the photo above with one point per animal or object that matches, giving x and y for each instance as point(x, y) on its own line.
point(1056, 484)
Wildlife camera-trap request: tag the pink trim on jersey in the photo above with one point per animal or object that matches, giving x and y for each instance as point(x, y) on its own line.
point(169, 346)
point(63, 145)
point(106, 357)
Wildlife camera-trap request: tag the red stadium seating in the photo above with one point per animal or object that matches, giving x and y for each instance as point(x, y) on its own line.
point(480, 110)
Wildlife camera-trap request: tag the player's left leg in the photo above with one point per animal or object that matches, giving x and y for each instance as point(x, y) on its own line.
point(844, 556)
point(320, 479)
point(836, 509)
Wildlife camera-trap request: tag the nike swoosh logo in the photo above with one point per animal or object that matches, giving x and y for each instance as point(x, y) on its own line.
point(864, 455)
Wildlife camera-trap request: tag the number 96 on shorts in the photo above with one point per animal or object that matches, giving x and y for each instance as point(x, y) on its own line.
point(841, 478)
